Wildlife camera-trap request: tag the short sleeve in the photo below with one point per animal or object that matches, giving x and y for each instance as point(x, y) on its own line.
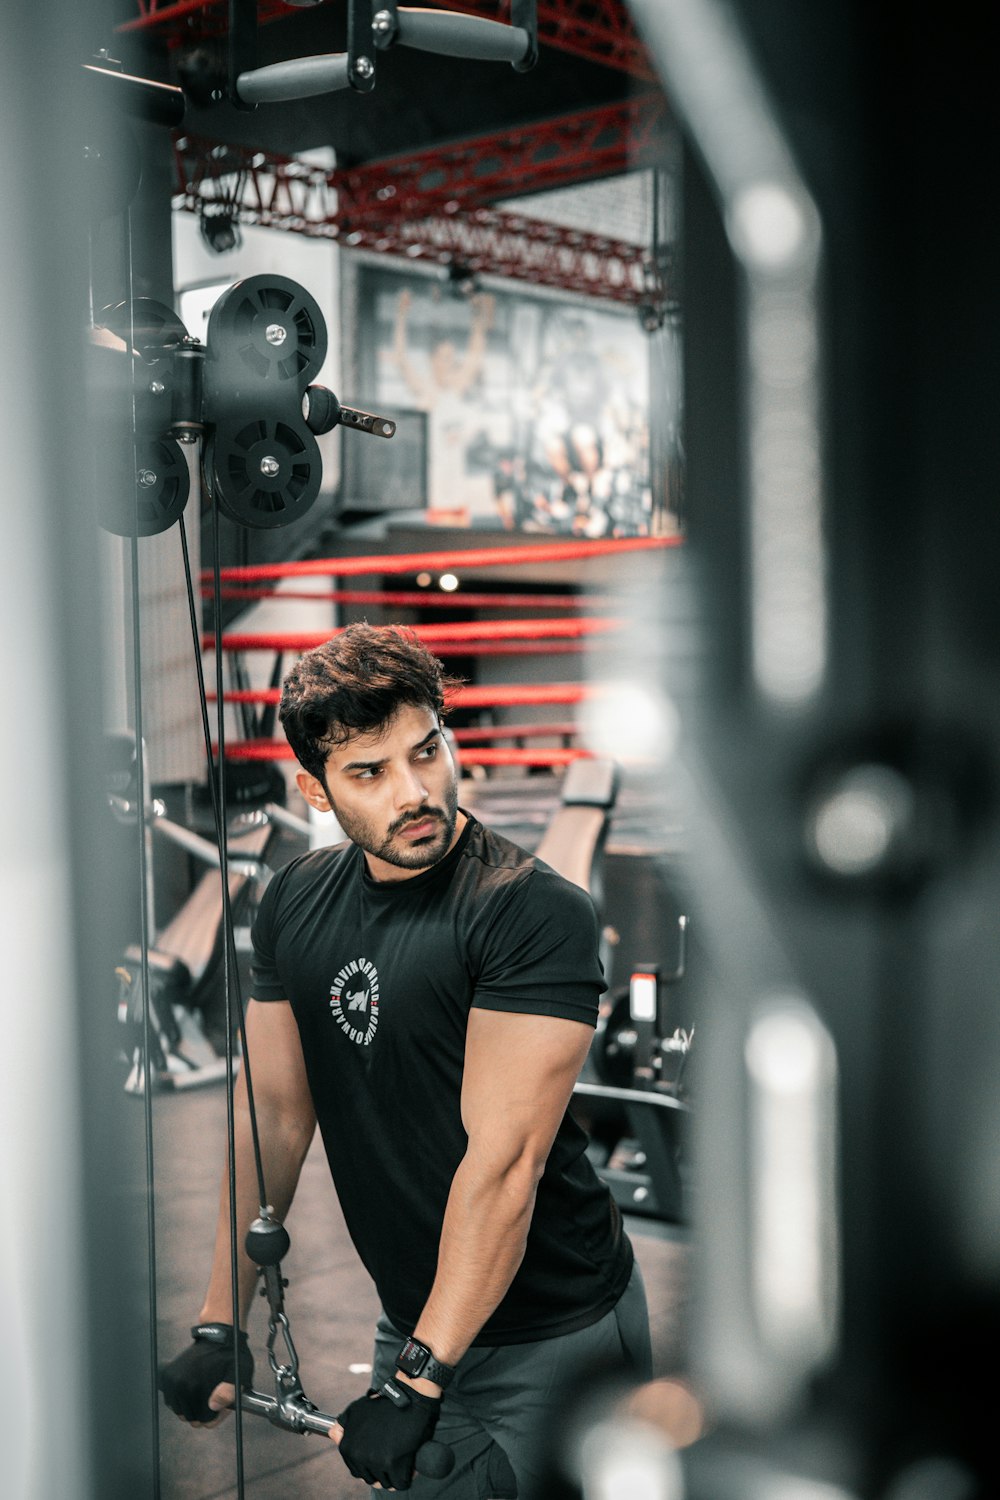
point(540, 953)
point(265, 981)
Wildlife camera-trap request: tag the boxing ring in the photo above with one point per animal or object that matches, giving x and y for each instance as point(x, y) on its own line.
point(572, 633)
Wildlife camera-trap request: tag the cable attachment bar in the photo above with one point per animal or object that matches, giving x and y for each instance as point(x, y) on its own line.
point(292, 1412)
point(266, 1243)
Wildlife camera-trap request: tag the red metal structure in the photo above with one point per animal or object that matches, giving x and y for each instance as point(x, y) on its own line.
point(436, 205)
point(579, 147)
point(524, 249)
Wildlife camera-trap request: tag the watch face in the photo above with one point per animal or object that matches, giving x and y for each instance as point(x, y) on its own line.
point(413, 1358)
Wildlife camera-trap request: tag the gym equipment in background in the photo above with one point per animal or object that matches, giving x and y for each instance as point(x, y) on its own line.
point(633, 1094)
point(247, 394)
point(179, 962)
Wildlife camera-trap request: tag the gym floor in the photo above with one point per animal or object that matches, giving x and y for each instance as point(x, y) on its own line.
point(331, 1305)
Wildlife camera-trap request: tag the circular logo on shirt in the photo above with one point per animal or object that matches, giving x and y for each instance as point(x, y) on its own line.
point(354, 1001)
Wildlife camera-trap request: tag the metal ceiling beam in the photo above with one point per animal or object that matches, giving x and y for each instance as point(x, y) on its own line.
point(600, 31)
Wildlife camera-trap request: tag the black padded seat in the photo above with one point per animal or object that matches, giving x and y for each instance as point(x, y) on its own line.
point(574, 840)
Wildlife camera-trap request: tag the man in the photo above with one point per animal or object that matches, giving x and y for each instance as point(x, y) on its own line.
point(426, 992)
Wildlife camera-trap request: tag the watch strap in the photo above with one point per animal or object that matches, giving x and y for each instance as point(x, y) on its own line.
point(416, 1361)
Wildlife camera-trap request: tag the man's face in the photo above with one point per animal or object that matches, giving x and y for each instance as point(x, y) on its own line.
point(394, 793)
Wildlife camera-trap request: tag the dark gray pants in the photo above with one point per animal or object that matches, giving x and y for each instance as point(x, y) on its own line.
point(506, 1404)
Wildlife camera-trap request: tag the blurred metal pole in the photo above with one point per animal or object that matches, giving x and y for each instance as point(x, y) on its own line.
point(66, 1261)
point(843, 735)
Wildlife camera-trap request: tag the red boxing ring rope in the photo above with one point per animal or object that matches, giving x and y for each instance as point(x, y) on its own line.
point(281, 750)
point(473, 735)
point(517, 695)
point(494, 648)
point(441, 562)
point(453, 633)
point(428, 598)
point(494, 695)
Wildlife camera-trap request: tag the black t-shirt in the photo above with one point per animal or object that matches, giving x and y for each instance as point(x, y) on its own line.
point(381, 977)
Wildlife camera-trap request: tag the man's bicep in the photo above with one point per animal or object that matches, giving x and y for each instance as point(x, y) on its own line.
point(519, 1074)
point(277, 1066)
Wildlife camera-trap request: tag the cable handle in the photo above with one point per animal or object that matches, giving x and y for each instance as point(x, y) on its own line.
point(298, 78)
point(453, 34)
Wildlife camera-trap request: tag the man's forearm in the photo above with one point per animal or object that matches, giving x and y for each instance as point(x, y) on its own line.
point(482, 1245)
point(283, 1149)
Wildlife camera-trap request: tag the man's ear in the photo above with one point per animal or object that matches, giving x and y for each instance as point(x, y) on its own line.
point(312, 791)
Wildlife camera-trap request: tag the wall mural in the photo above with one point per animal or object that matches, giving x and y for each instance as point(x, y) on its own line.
point(537, 410)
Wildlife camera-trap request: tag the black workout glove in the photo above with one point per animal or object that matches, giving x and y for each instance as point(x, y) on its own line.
point(189, 1380)
point(383, 1431)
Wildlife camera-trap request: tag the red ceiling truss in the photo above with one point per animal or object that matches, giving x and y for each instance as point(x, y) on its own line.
point(523, 249)
point(579, 147)
point(599, 30)
point(438, 206)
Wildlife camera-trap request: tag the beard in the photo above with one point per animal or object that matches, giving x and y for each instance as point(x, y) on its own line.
point(406, 854)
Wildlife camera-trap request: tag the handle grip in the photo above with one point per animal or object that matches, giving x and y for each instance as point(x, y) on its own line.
point(454, 35)
point(299, 78)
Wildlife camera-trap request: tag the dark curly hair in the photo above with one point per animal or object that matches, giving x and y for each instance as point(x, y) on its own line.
point(356, 683)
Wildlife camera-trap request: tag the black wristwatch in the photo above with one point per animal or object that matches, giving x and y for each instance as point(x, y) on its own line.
point(417, 1361)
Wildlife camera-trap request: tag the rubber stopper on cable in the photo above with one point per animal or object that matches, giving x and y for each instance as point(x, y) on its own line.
point(267, 1242)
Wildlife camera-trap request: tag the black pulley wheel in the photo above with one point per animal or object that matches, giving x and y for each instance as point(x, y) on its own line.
point(151, 327)
point(264, 474)
point(266, 329)
point(157, 494)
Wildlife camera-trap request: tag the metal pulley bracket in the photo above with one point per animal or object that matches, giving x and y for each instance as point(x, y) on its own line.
point(247, 391)
point(145, 488)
